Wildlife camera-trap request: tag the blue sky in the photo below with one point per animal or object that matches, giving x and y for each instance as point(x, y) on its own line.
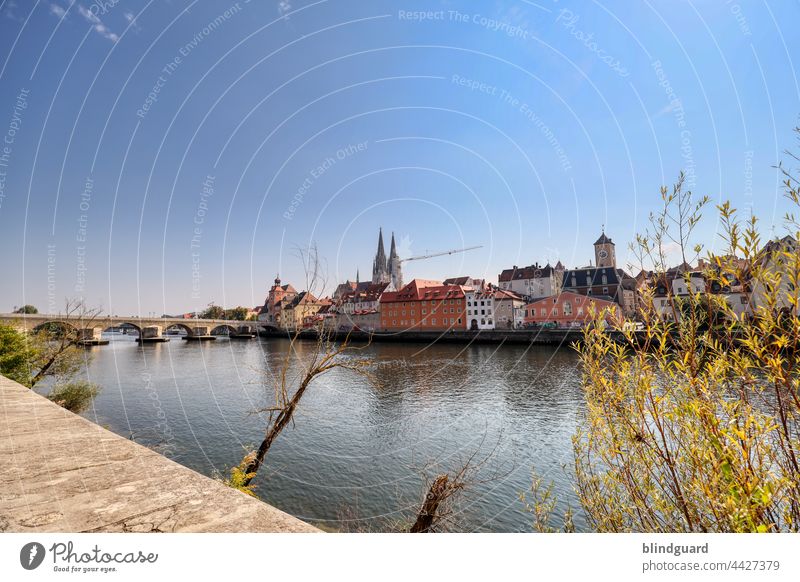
point(167, 154)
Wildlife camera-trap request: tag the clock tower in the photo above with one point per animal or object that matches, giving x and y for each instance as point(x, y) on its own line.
point(604, 253)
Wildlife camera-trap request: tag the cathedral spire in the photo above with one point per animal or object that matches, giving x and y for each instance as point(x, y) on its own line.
point(380, 271)
point(394, 268)
point(381, 252)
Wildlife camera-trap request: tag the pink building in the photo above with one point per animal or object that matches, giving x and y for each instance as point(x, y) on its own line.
point(568, 309)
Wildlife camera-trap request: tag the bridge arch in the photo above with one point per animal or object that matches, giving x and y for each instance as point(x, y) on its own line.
point(216, 329)
point(182, 326)
point(51, 323)
point(117, 324)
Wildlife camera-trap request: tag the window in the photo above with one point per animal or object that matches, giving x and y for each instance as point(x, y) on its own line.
point(580, 310)
point(412, 312)
point(605, 279)
point(543, 311)
point(605, 290)
point(554, 311)
point(567, 308)
point(424, 311)
point(433, 321)
point(459, 320)
point(394, 322)
point(490, 322)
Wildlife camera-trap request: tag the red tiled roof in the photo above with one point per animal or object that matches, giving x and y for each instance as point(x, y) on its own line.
point(423, 289)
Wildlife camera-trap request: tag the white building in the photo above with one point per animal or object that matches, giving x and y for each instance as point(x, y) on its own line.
point(480, 309)
point(533, 281)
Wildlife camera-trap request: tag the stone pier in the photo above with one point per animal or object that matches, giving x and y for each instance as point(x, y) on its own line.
point(243, 332)
point(91, 336)
point(62, 473)
point(152, 334)
point(199, 333)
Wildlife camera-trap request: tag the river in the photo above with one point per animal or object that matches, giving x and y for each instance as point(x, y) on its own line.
point(361, 448)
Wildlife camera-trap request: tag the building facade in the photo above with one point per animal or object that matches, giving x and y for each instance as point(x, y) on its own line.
point(278, 297)
point(506, 305)
point(533, 281)
point(568, 309)
point(296, 311)
point(424, 305)
point(360, 308)
point(604, 280)
point(480, 309)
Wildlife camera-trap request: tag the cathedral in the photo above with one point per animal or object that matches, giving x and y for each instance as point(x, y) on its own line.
point(387, 270)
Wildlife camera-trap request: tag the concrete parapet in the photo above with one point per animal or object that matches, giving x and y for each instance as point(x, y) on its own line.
point(61, 473)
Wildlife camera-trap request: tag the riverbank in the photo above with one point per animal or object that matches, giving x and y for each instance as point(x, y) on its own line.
point(547, 337)
point(62, 473)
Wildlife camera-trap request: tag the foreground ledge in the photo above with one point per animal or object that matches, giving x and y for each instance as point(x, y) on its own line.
point(62, 473)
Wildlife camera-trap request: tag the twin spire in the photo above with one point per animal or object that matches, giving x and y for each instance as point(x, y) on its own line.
point(387, 270)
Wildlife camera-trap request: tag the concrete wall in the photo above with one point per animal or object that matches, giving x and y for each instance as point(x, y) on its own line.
point(61, 473)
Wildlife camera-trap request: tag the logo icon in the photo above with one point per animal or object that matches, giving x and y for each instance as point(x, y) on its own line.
point(31, 555)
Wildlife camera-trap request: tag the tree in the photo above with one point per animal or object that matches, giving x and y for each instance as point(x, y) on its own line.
point(16, 355)
point(213, 312)
point(51, 352)
point(74, 396)
point(57, 349)
point(236, 313)
point(691, 424)
point(27, 309)
point(328, 355)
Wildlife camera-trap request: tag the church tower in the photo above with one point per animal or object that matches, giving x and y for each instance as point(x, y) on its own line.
point(395, 267)
point(604, 252)
point(380, 271)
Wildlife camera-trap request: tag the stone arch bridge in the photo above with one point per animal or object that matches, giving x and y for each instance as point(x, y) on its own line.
point(150, 329)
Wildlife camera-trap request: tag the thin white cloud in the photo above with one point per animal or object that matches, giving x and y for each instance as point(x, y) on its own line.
point(131, 18)
point(57, 10)
point(9, 11)
point(98, 25)
point(668, 108)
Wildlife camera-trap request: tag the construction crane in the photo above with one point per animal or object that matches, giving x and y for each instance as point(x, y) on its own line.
point(451, 252)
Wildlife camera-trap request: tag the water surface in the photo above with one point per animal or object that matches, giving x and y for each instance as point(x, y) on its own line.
point(360, 451)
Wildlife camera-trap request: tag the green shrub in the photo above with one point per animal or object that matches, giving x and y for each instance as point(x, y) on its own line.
point(74, 396)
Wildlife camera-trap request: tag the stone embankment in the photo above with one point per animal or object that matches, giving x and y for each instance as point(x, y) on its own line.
point(62, 473)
